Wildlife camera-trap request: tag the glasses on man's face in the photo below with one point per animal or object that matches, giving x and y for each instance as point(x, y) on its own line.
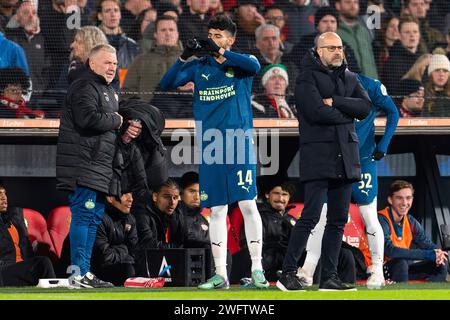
point(333, 48)
point(275, 18)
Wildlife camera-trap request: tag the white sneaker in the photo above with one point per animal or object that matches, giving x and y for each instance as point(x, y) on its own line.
point(305, 280)
point(375, 281)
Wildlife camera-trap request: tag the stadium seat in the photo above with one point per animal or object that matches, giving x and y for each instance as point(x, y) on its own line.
point(206, 212)
point(38, 233)
point(58, 222)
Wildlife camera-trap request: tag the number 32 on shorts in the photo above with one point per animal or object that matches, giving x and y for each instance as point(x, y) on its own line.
point(248, 177)
point(366, 181)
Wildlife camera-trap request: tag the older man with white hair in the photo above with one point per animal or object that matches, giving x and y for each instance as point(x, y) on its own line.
point(268, 43)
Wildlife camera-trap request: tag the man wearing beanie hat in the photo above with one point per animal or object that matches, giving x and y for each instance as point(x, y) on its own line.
point(273, 103)
point(325, 20)
point(437, 90)
point(412, 101)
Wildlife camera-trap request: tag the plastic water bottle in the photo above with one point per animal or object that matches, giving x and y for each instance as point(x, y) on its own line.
point(126, 138)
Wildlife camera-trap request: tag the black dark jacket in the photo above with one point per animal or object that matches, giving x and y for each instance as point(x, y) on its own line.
point(196, 227)
point(276, 227)
point(116, 239)
point(152, 226)
point(399, 62)
point(15, 217)
point(149, 143)
point(127, 49)
point(87, 135)
point(328, 141)
point(192, 26)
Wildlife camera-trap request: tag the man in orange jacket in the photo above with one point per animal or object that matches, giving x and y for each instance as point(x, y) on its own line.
point(405, 241)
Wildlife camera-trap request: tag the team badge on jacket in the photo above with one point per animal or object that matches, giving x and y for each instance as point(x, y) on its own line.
point(89, 204)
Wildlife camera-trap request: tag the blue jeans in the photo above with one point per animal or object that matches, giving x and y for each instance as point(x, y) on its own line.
point(87, 207)
point(401, 270)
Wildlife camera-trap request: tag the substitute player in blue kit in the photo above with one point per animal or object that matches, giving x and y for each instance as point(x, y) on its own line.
point(224, 127)
point(364, 192)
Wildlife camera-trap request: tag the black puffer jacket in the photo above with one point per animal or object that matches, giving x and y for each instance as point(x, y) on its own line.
point(87, 135)
point(153, 226)
point(15, 217)
point(150, 145)
point(328, 141)
point(196, 227)
point(276, 227)
point(116, 239)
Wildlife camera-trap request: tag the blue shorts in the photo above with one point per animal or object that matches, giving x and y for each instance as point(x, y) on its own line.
point(222, 184)
point(365, 191)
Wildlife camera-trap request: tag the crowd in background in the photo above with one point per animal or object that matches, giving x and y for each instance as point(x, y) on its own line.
point(403, 43)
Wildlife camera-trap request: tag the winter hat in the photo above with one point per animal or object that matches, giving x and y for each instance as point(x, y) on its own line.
point(322, 12)
point(408, 86)
point(274, 69)
point(438, 61)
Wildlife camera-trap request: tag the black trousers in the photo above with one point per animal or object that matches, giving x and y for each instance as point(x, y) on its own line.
point(26, 273)
point(346, 267)
point(116, 273)
point(337, 194)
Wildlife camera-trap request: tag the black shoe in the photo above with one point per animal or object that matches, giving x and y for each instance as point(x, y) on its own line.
point(289, 282)
point(91, 281)
point(335, 284)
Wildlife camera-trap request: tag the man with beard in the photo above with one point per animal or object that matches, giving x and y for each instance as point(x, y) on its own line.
point(355, 34)
point(325, 20)
point(329, 98)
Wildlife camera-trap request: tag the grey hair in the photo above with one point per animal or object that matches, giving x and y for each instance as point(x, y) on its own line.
point(102, 47)
point(90, 36)
point(265, 26)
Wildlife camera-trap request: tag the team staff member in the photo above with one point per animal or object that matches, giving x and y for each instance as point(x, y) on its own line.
point(364, 192)
point(222, 102)
point(328, 98)
point(18, 266)
point(401, 231)
point(85, 152)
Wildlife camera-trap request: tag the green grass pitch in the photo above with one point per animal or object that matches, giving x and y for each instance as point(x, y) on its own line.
point(411, 291)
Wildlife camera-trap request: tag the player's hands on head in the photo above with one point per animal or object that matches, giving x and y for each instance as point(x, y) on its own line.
point(378, 155)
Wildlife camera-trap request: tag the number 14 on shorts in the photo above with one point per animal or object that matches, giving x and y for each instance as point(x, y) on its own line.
point(248, 179)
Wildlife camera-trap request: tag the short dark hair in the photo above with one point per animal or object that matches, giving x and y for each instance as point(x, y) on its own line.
point(188, 179)
point(398, 185)
point(407, 19)
point(2, 185)
point(284, 185)
point(165, 18)
point(10, 76)
point(170, 183)
point(222, 22)
point(273, 7)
